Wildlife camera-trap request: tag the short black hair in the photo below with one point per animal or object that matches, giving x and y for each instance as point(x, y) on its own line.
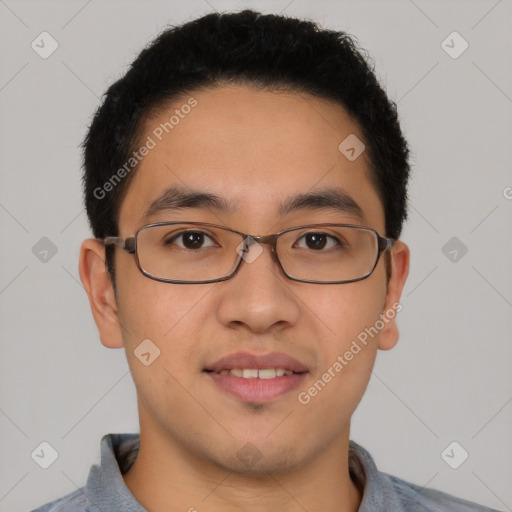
point(247, 48)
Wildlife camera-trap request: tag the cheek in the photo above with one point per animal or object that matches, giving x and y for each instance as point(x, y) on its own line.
point(161, 326)
point(161, 323)
point(347, 311)
point(156, 310)
point(348, 348)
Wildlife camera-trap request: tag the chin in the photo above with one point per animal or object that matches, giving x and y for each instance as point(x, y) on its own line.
point(249, 460)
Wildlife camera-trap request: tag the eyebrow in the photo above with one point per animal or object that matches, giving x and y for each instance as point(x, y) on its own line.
point(177, 197)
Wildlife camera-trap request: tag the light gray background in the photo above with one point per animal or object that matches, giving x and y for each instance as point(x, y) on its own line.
point(449, 378)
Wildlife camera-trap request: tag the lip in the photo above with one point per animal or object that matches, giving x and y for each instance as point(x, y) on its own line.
point(259, 362)
point(256, 390)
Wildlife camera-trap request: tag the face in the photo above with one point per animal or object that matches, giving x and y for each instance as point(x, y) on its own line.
point(255, 149)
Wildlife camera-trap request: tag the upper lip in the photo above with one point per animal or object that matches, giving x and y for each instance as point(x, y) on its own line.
point(259, 362)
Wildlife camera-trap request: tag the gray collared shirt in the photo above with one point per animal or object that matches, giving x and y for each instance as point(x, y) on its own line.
point(106, 491)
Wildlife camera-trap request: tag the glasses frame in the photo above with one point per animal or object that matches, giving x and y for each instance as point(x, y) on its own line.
point(129, 244)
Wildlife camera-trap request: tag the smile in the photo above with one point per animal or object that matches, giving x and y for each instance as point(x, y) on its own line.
point(254, 373)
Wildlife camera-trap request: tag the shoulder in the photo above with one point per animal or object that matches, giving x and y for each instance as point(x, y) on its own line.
point(383, 491)
point(423, 499)
point(73, 502)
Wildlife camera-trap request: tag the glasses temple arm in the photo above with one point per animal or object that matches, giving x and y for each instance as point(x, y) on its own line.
point(385, 243)
point(128, 244)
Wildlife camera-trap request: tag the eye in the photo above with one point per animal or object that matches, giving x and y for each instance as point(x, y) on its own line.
point(318, 241)
point(191, 240)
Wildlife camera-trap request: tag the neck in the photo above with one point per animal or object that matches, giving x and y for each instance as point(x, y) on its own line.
point(167, 477)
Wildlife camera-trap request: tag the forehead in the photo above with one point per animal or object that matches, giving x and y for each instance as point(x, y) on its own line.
point(255, 151)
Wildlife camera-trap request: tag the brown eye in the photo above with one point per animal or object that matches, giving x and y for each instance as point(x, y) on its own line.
point(318, 241)
point(190, 240)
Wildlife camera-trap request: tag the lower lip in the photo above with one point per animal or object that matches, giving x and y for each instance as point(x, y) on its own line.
point(257, 390)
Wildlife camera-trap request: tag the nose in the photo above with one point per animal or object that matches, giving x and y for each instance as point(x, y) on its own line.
point(259, 297)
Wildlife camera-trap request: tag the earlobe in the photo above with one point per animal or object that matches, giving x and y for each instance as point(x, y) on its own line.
point(400, 259)
point(98, 286)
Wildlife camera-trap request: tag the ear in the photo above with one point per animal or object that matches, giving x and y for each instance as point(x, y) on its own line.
point(400, 256)
point(98, 285)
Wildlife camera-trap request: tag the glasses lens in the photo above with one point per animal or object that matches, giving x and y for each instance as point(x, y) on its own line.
point(328, 253)
point(198, 252)
point(187, 252)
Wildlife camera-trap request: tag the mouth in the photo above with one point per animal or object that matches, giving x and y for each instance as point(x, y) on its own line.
point(256, 378)
point(254, 373)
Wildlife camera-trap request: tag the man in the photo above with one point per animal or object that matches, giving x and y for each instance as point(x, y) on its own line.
point(246, 184)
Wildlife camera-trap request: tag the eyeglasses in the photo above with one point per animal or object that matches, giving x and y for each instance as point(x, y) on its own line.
point(197, 252)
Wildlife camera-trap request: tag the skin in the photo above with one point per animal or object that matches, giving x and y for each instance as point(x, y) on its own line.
point(254, 148)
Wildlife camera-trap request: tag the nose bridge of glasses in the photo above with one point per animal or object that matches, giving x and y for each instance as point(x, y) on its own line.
point(253, 240)
point(272, 242)
point(264, 239)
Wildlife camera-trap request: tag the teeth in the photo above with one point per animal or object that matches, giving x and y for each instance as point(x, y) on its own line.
point(253, 373)
point(269, 373)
